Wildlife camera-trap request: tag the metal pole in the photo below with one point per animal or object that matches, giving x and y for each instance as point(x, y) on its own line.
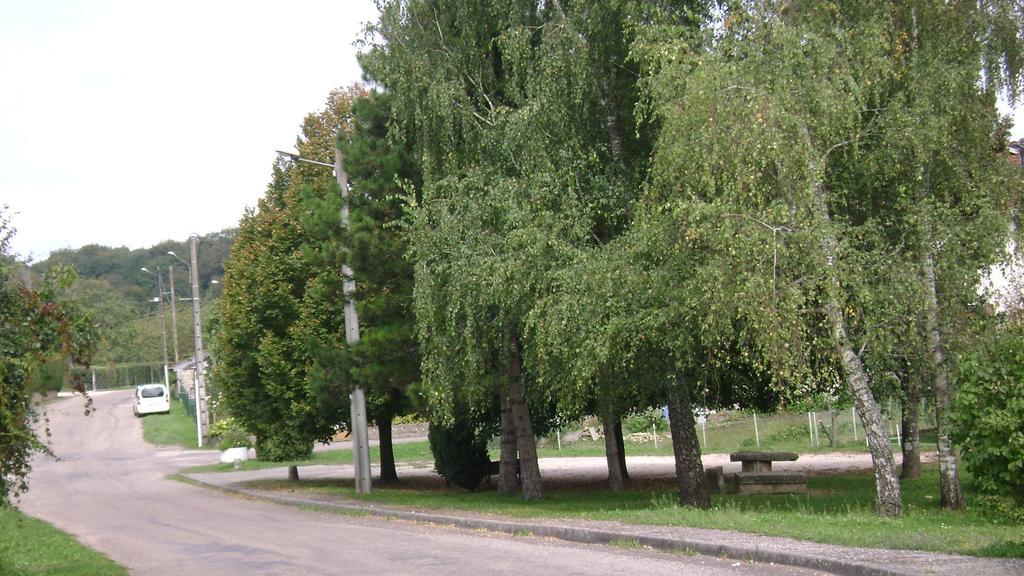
point(853, 414)
point(810, 427)
point(202, 420)
point(360, 439)
point(757, 435)
point(817, 436)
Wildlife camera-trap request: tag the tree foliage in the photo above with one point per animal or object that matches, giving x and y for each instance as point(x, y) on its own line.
point(532, 150)
point(264, 362)
point(385, 361)
point(36, 324)
point(118, 296)
point(831, 155)
point(989, 410)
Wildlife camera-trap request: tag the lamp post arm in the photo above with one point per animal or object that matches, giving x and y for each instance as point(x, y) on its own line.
point(296, 158)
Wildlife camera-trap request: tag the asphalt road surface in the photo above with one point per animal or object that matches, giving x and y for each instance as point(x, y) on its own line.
point(111, 490)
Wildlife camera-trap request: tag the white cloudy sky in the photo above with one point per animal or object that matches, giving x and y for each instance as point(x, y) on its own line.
point(128, 122)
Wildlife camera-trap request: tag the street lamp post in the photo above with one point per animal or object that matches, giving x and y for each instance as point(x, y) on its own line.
point(202, 418)
point(163, 321)
point(357, 400)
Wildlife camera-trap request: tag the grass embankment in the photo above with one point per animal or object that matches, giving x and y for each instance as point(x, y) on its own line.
point(174, 429)
point(31, 546)
point(836, 510)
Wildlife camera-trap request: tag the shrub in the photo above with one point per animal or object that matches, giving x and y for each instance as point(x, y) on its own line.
point(642, 421)
point(988, 412)
point(280, 445)
point(460, 452)
point(230, 434)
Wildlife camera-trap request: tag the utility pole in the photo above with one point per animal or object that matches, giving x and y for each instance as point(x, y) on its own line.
point(163, 327)
point(202, 417)
point(357, 400)
point(163, 321)
point(174, 319)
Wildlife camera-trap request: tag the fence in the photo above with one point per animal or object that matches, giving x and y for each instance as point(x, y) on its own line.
point(795, 431)
point(124, 375)
point(188, 405)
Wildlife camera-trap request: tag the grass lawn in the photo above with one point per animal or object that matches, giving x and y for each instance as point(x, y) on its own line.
point(419, 452)
point(174, 429)
point(30, 546)
point(837, 509)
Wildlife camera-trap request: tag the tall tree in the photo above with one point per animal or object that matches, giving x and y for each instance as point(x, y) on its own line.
point(749, 125)
point(526, 114)
point(264, 360)
point(385, 362)
point(775, 124)
point(935, 187)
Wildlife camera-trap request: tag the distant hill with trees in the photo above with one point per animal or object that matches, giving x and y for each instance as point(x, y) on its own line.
point(119, 296)
point(120, 266)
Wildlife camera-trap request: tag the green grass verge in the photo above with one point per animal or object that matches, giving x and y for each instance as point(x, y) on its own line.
point(836, 510)
point(30, 546)
point(174, 429)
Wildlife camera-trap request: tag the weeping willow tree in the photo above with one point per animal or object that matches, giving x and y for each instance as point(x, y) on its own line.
point(531, 148)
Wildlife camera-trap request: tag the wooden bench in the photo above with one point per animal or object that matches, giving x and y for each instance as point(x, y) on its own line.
point(756, 475)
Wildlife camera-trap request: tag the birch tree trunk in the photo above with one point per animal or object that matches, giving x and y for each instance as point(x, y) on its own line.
point(533, 488)
point(888, 497)
point(508, 479)
point(693, 490)
point(950, 494)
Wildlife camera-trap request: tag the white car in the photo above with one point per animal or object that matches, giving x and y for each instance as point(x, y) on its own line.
point(151, 398)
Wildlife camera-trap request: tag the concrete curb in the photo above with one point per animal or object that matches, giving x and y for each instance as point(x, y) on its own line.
point(579, 535)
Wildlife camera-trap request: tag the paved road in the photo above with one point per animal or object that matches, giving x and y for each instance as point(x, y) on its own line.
point(110, 489)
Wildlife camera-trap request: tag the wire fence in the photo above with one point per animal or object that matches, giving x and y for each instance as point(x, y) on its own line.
point(825, 429)
point(188, 405)
point(124, 375)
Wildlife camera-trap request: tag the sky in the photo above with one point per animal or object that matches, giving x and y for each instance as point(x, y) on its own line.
point(128, 122)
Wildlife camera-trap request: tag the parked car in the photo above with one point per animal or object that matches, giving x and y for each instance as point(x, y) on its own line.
point(152, 399)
